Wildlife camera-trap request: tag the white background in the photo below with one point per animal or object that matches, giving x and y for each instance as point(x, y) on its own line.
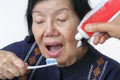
point(12, 21)
point(13, 27)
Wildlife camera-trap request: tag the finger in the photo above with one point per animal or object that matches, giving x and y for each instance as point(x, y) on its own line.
point(7, 74)
point(98, 27)
point(13, 70)
point(2, 77)
point(104, 38)
point(21, 65)
point(97, 38)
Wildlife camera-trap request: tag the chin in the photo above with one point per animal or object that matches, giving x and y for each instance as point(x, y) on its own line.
point(63, 64)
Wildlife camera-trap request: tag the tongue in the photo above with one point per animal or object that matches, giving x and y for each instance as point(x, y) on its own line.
point(54, 49)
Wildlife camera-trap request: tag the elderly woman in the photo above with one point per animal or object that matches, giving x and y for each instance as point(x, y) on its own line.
point(52, 26)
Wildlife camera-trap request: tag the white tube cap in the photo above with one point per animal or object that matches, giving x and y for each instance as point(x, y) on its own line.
point(78, 36)
point(93, 3)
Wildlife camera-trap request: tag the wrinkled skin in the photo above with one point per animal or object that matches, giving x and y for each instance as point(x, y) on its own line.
point(56, 28)
point(10, 65)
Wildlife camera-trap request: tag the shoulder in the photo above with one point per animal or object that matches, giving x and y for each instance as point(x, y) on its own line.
point(20, 47)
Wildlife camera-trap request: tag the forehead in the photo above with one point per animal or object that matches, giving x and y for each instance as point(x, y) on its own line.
point(52, 5)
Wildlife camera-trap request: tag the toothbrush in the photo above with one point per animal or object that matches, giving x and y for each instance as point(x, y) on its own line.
point(49, 62)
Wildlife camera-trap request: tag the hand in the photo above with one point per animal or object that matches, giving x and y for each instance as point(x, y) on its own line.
point(10, 65)
point(106, 30)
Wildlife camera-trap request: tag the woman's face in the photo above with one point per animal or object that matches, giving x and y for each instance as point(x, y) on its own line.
point(54, 28)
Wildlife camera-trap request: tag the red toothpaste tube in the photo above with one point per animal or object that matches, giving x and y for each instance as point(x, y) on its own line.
point(105, 11)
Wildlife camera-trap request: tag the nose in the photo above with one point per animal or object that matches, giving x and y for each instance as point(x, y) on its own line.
point(50, 29)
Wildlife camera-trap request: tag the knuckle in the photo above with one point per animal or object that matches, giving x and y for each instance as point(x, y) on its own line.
point(2, 77)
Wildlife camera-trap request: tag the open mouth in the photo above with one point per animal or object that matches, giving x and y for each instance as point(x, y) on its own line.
point(53, 49)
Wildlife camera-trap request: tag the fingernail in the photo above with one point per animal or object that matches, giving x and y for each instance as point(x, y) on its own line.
point(88, 28)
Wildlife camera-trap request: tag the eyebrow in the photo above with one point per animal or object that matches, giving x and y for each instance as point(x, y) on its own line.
point(36, 11)
point(62, 9)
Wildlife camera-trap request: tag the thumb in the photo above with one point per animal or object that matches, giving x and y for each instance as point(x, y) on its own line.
point(97, 27)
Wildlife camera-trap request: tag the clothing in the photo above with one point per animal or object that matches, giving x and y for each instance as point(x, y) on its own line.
point(93, 66)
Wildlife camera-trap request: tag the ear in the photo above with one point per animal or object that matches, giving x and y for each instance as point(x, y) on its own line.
point(93, 3)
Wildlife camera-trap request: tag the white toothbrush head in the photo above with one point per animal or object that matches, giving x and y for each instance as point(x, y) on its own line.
point(51, 61)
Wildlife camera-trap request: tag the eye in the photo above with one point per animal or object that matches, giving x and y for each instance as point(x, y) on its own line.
point(39, 22)
point(61, 20)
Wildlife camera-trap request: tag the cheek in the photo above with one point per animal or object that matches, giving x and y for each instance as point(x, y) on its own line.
point(37, 34)
point(71, 29)
point(70, 34)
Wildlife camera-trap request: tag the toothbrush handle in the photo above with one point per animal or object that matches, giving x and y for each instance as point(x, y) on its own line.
point(41, 66)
